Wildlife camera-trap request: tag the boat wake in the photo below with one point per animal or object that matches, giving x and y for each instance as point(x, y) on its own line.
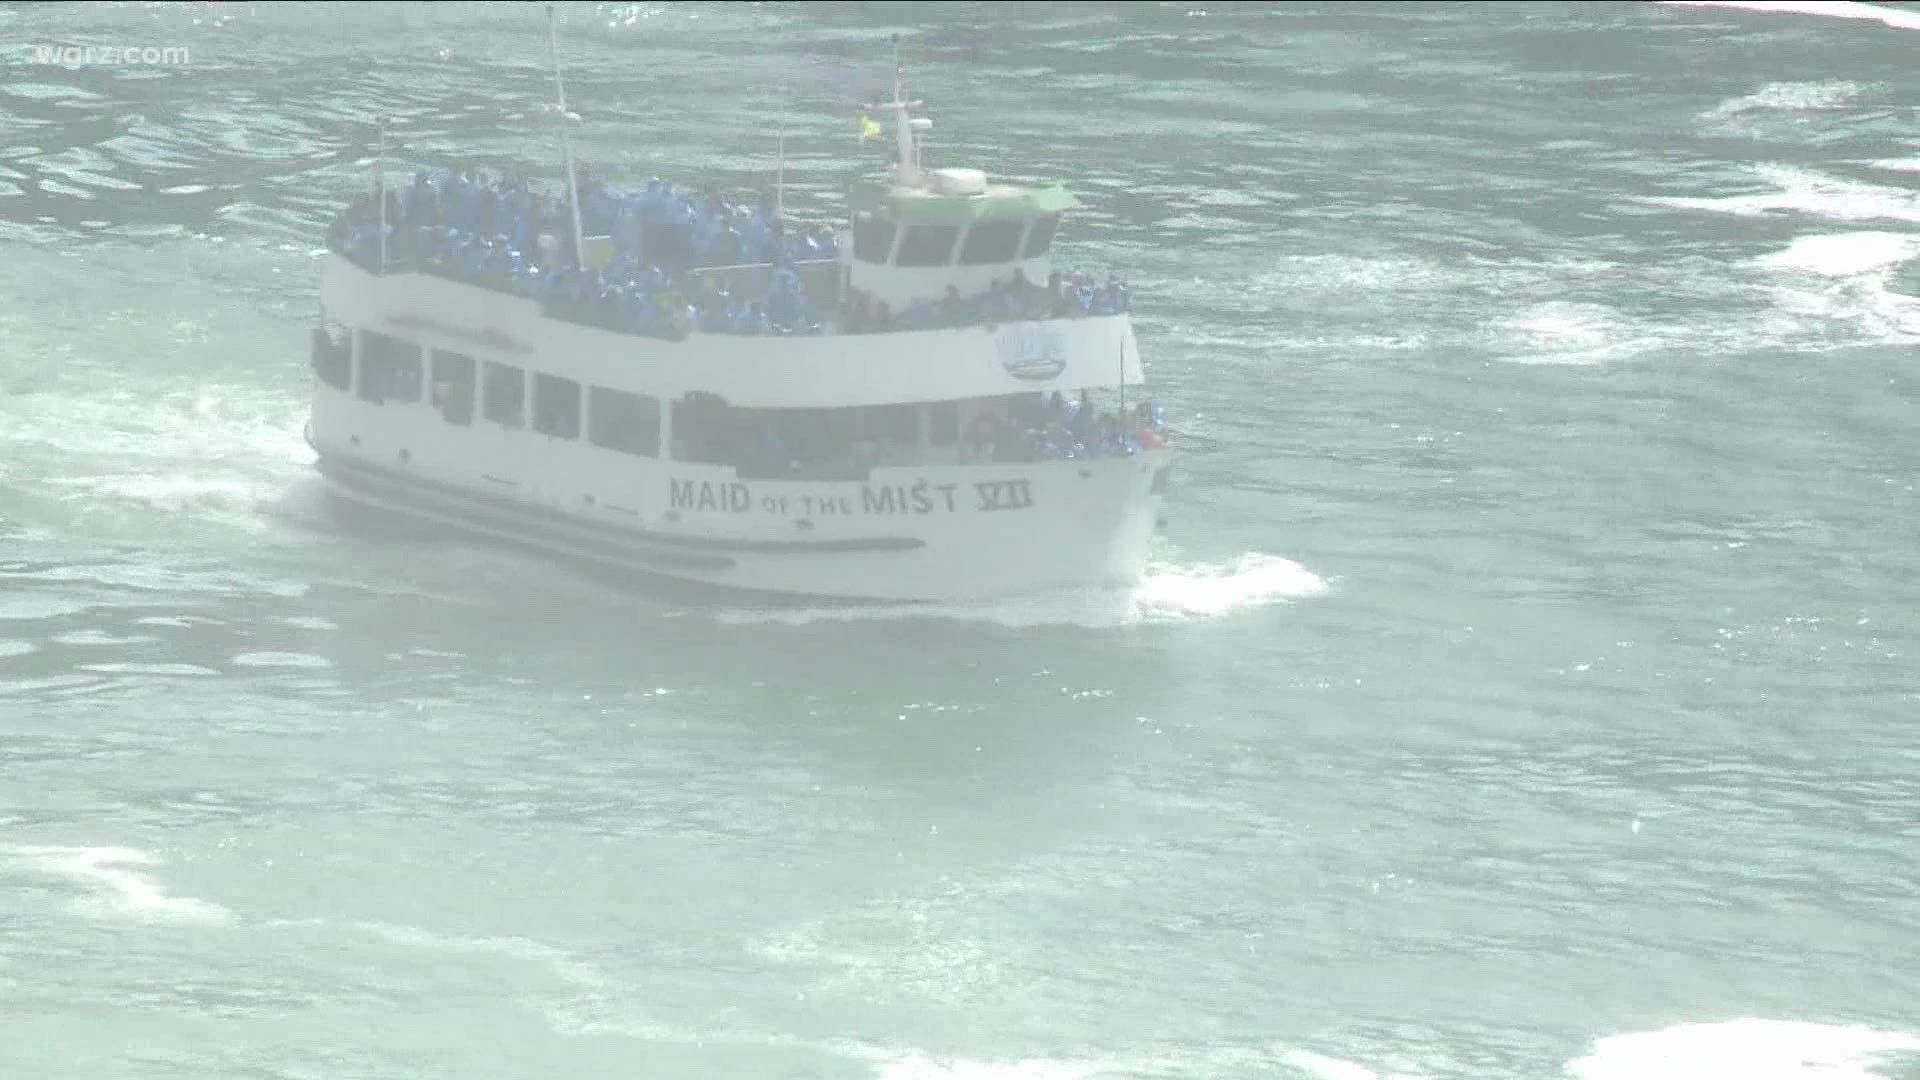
point(1170, 593)
point(1897, 18)
point(579, 998)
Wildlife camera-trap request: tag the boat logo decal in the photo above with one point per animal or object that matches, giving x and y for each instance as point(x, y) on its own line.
point(1032, 353)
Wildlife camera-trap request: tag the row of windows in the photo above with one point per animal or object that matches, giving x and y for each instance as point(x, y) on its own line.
point(391, 370)
point(933, 245)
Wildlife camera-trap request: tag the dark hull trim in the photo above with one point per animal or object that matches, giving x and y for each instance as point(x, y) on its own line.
point(625, 570)
point(402, 490)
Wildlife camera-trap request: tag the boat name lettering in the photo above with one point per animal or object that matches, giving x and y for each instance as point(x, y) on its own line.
point(706, 495)
point(873, 500)
point(1004, 494)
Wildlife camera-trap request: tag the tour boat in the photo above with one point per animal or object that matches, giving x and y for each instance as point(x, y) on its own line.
point(902, 408)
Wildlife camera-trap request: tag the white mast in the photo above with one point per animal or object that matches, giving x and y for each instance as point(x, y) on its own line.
point(907, 169)
point(566, 143)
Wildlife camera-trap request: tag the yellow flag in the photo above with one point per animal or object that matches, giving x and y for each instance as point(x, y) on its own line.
point(869, 128)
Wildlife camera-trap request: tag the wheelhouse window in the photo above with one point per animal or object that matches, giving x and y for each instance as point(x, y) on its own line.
point(991, 242)
point(505, 390)
point(872, 237)
point(389, 368)
point(629, 423)
point(556, 406)
point(927, 245)
point(1040, 237)
point(454, 377)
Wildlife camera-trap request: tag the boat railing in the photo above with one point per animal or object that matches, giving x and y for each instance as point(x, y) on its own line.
point(703, 298)
point(821, 278)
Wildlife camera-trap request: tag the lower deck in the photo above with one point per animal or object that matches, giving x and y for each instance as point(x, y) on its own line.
point(909, 533)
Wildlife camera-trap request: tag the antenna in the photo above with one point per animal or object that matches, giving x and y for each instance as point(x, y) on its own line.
point(380, 190)
point(780, 176)
point(566, 143)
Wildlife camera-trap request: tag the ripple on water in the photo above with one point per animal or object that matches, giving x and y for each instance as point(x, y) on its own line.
point(159, 670)
point(89, 638)
point(36, 607)
point(305, 661)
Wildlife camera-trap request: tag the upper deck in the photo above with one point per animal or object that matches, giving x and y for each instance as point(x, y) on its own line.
point(661, 264)
point(941, 288)
point(797, 371)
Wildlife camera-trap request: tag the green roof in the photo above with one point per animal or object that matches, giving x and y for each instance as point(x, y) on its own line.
point(998, 202)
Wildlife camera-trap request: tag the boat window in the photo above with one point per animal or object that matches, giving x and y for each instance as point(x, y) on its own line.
point(453, 385)
point(992, 242)
point(629, 423)
point(1040, 238)
point(389, 368)
point(505, 389)
point(927, 245)
point(556, 406)
point(332, 358)
point(943, 423)
point(872, 237)
point(704, 429)
point(898, 424)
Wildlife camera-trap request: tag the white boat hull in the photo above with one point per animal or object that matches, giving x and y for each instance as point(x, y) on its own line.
point(928, 532)
point(963, 532)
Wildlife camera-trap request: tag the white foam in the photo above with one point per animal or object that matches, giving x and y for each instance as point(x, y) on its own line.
point(1568, 333)
point(1210, 591)
point(1831, 9)
point(117, 890)
point(221, 451)
point(1790, 97)
point(1813, 194)
point(1168, 593)
point(1747, 1049)
point(1848, 276)
point(1846, 254)
point(1322, 1067)
point(1279, 1061)
point(918, 1067)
